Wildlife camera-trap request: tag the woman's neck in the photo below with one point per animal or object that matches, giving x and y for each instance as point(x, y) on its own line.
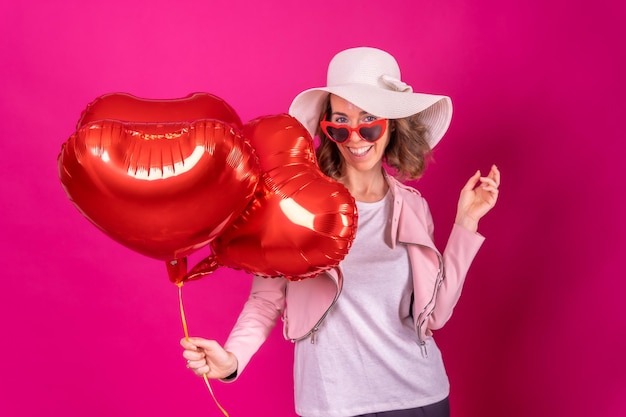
point(367, 187)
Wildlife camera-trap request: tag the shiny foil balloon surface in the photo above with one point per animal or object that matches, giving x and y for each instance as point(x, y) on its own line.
point(161, 187)
point(299, 223)
point(126, 107)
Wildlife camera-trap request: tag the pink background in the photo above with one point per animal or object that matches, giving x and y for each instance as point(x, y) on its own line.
point(91, 328)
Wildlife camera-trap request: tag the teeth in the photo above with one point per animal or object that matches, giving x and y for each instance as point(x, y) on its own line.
point(359, 151)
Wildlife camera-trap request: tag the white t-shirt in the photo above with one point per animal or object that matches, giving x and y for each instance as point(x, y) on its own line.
point(366, 357)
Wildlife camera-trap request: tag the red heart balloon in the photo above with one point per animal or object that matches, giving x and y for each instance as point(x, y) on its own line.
point(126, 107)
point(299, 223)
point(163, 189)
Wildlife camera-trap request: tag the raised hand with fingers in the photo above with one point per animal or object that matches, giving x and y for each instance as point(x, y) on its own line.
point(476, 201)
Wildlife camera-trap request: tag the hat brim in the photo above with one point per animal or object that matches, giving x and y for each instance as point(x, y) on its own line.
point(435, 110)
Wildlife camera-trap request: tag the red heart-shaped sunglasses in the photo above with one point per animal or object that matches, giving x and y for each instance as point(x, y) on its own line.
point(370, 132)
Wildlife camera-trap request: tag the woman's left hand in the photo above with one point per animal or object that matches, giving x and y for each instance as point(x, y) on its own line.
point(475, 202)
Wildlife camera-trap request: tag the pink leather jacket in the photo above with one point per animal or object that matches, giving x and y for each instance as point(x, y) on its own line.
point(437, 282)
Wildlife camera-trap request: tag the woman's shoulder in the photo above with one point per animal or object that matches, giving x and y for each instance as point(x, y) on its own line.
point(405, 190)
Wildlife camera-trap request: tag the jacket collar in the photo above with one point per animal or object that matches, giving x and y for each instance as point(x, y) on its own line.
point(411, 221)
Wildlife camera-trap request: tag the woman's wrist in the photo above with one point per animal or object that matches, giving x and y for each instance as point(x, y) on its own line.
point(231, 376)
point(468, 223)
point(235, 368)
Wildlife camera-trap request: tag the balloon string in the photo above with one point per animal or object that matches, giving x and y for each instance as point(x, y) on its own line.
point(182, 310)
point(186, 330)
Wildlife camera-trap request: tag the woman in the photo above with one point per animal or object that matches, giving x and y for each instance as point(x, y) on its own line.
point(363, 330)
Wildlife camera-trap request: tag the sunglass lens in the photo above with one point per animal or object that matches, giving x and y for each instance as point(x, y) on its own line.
point(339, 134)
point(371, 133)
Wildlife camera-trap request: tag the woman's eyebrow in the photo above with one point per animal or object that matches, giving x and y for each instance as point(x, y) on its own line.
point(362, 113)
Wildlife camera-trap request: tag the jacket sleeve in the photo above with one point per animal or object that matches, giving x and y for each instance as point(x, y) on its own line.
point(257, 319)
point(461, 248)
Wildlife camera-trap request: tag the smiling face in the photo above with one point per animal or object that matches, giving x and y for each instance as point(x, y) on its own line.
point(358, 154)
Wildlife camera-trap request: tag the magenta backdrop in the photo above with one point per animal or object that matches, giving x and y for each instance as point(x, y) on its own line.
point(92, 328)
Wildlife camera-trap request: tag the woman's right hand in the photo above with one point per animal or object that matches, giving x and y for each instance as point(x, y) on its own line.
point(207, 357)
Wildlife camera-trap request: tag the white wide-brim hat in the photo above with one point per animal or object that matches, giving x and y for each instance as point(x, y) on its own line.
point(370, 79)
